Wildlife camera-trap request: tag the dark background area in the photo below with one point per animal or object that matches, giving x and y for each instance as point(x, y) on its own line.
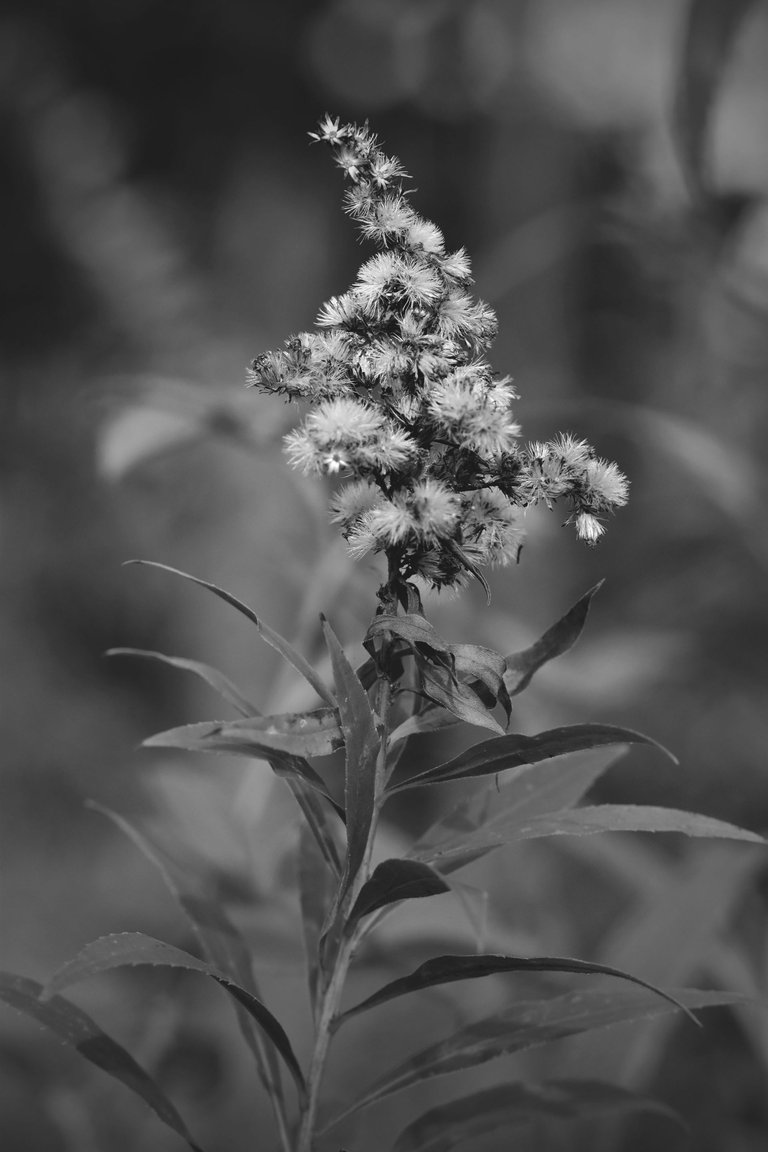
point(162, 221)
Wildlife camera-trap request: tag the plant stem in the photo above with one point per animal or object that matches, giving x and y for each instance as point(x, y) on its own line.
point(331, 996)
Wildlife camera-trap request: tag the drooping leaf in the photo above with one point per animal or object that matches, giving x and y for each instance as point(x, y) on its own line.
point(394, 880)
point(530, 1024)
point(441, 685)
point(217, 680)
point(530, 791)
point(220, 940)
point(412, 627)
point(221, 736)
point(508, 1106)
point(361, 744)
point(514, 749)
point(473, 569)
point(483, 669)
point(522, 666)
point(448, 969)
point(711, 29)
point(126, 949)
point(274, 639)
point(76, 1028)
point(317, 890)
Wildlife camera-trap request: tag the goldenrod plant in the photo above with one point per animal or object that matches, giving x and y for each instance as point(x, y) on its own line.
point(402, 409)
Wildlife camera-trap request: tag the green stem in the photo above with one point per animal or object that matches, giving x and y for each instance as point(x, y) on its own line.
point(330, 998)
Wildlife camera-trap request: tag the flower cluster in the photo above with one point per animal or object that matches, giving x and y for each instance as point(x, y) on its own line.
point(405, 404)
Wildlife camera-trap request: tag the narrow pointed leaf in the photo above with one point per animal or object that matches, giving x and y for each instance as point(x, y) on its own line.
point(513, 827)
point(220, 736)
point(361, 745)
point(448, 969)
point(76, 1028)
point(530, 1024)
point(127, 949)
point(508, 1106)
point(394, 880)
point(220, 940)
point(314, 733)
point(274, 639)
point(514, 749)
point(522, 666)
point(598, 818)
point(215, 679)
point(529, 791)
point(317, 890)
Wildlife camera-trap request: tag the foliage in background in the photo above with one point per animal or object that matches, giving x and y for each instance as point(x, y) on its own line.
point(653, 313)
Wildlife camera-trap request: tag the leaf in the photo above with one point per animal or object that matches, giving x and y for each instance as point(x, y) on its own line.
point(316, 816)
point(274, 639)
point(394, 880)
point(471, 567)
point(440, 685)
point(432, 719)
point(131, 948)
point(514, 749)
point(711, 30)
point(361, 745)
point(587, 821)
point(217, 680)
point(219, 939)
point(411, 627)
point(484, 667)
point(506, 1106)
point(529, 1024)
point(314, 733)
point(221, 736)
point(317, 889)
point(77, 1029)
point(448, 969)
point(522, 666)
point(631, 818)
point(530, 790)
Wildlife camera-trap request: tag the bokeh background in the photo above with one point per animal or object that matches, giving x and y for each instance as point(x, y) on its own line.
point(163, 220)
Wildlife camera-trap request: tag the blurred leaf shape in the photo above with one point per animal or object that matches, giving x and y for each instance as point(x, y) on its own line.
point(221, 942)
point(127, 949)
point(76, 1028)
point(530, 1024)
point(317, 890)
point(508, 1106)
point(710, 31)
point(164, 414)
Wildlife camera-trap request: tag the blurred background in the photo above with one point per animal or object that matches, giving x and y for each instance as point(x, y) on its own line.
point(163, 220)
